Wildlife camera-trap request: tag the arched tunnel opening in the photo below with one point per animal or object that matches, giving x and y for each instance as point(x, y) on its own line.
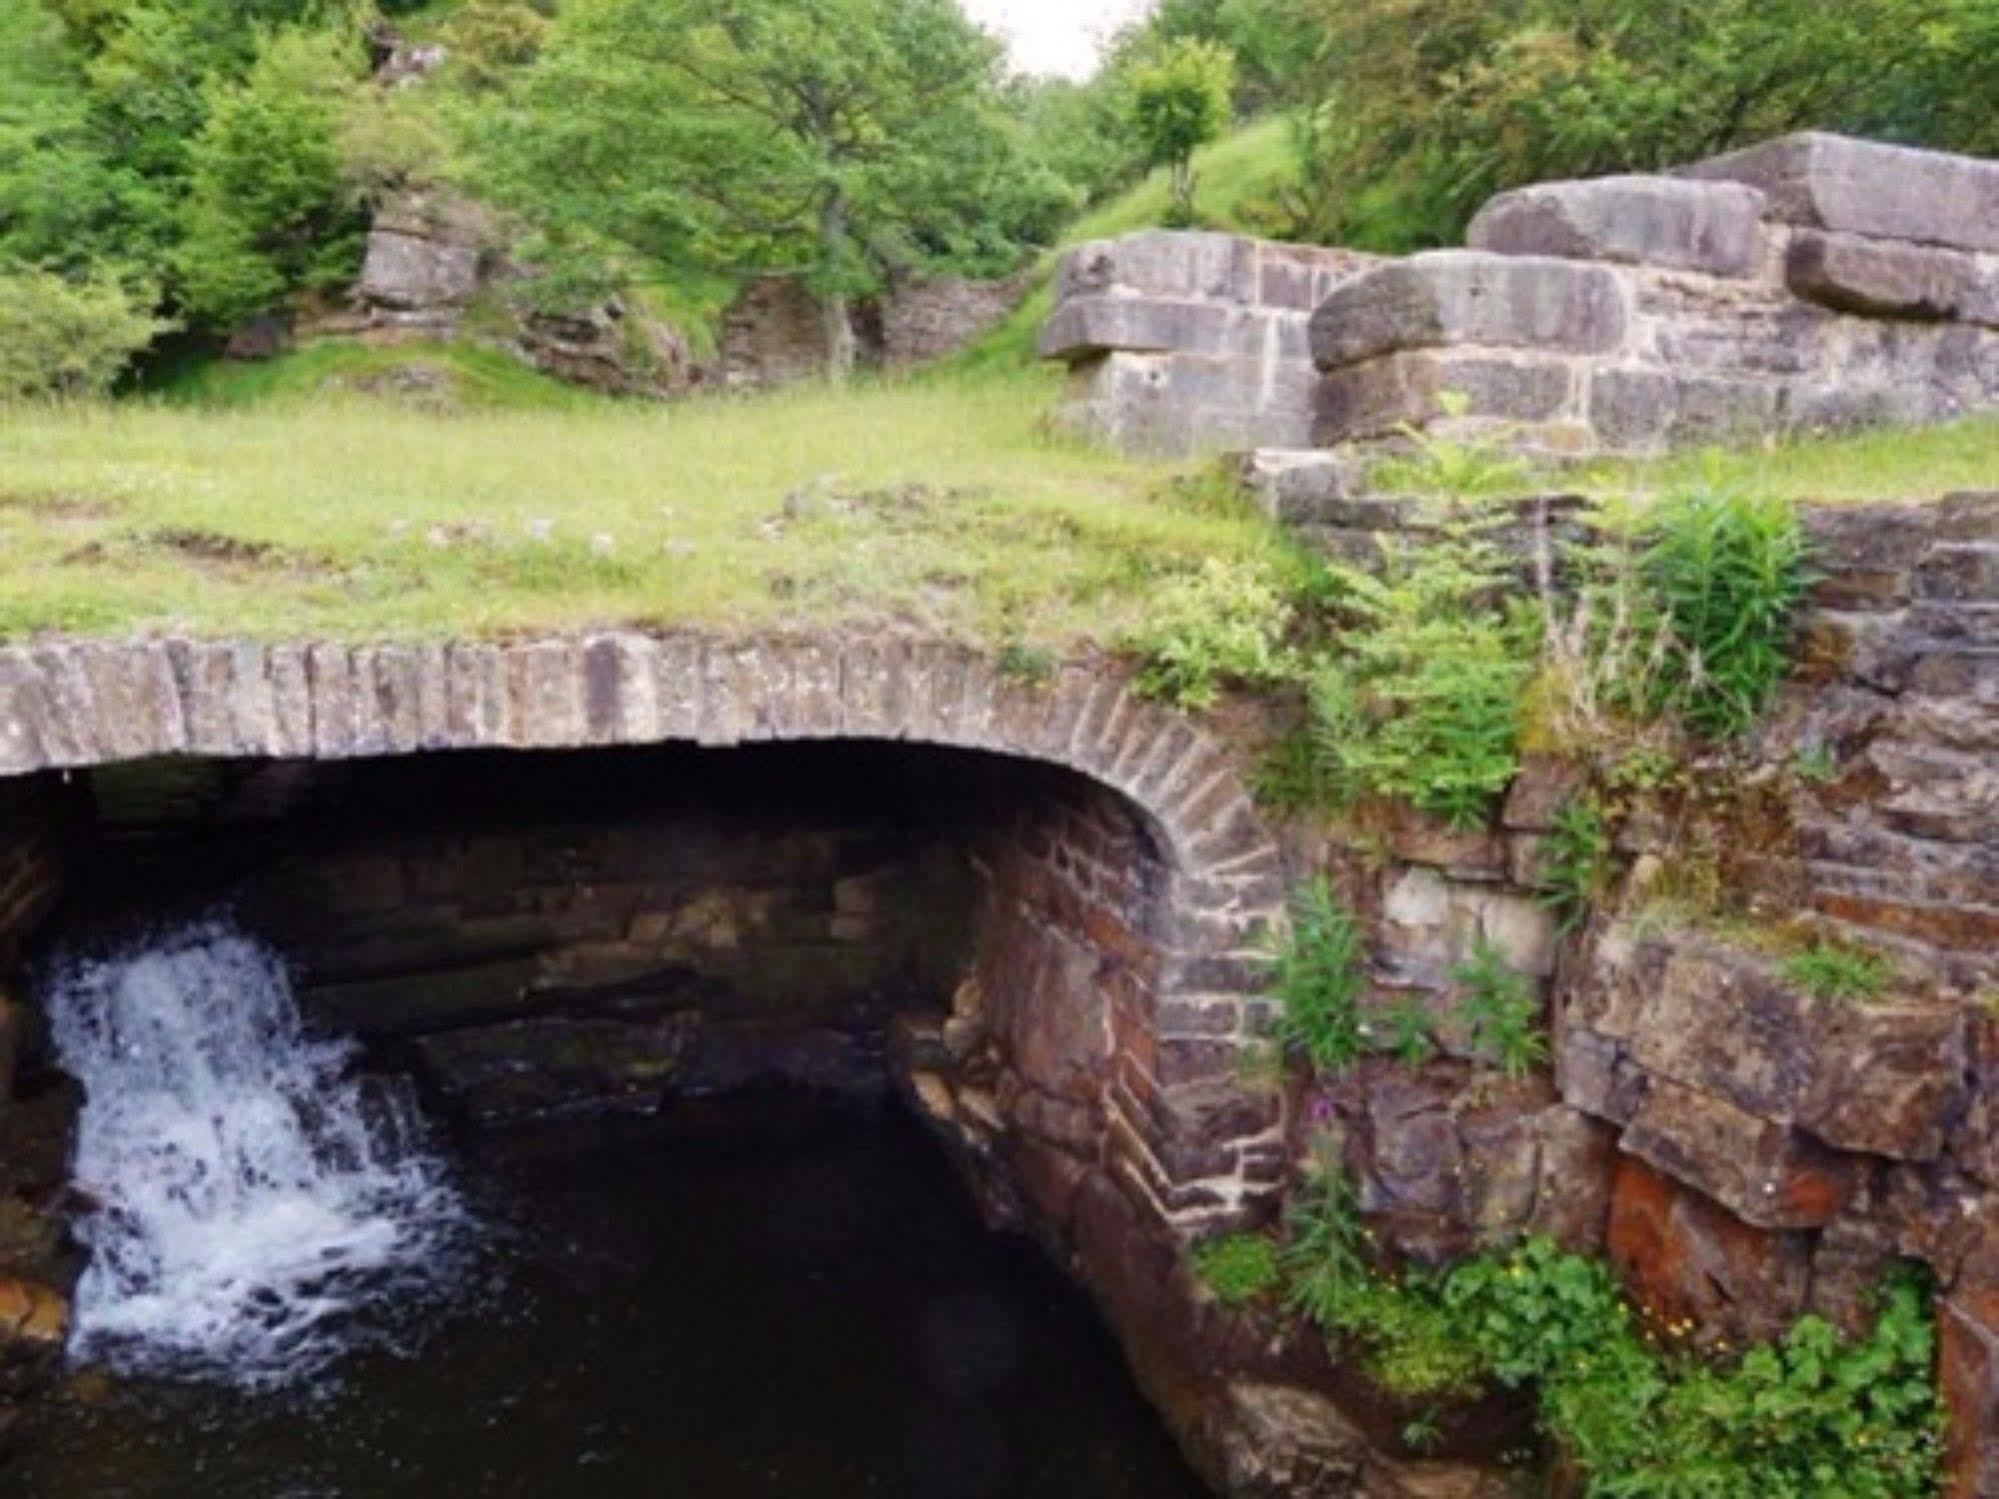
point(738, 1060)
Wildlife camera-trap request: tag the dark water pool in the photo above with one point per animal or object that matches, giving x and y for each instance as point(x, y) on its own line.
point(771, 1296)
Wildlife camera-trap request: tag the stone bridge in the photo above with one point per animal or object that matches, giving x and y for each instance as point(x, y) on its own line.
point(1172, 947)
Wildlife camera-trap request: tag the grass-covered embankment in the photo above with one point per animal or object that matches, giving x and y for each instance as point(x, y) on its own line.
point(941, 505)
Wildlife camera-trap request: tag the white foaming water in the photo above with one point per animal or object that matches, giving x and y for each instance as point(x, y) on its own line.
point(255, 1211)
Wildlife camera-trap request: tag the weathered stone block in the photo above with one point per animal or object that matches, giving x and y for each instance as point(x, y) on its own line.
point(1877, 278)
point(1163, 263)
point(1713, 227)
point(1693, 1265)
point(1824, 181)
point(1086, 325)
point(1380, 396)
point(1453, 297)
point(1632, 409)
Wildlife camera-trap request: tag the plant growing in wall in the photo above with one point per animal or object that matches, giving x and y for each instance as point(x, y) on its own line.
point(1811, 1416)
point(1317, 977)
point(1575, 868)
point(1725, 572)
point(1500, 1006)
point(1419, 697)
point(1225, 622)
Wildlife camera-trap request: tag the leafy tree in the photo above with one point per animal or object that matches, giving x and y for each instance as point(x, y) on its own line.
point(1180, 102)
point(62, 338)
point(831, 139)
point(1269, 43)
point(1425, 108)
point(64, 203)
point(269, 211)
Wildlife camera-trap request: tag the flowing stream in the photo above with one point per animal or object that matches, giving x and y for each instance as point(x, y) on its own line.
point(255, 1210)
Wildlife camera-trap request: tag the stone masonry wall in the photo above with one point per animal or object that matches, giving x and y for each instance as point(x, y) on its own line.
point(532, 945)
point(1744, 1152)
point(1182, 341)
point(1811, 283)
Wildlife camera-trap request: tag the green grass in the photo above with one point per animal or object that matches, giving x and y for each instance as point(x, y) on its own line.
point(452, 375)
point(1920, 463)
point(1237, 175)
point(939, 506)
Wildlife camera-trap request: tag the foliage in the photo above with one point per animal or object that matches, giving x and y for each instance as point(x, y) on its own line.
point(1264, 36)
point(1318, 977)
point(832, 139)
point(1810, 1415)
point(1499, 1005)
point(1832, 970)
point(1239, 1268)
point(1419, 697)
point(1411, 1342)
point(268, 211)
point(1725, 571)
point(1180, 102)
point(63, 338)
point(1422, 109)
point(1575, 860)
point(1224, 622)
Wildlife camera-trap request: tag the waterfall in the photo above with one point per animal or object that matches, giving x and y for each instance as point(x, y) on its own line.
point(252, 1209)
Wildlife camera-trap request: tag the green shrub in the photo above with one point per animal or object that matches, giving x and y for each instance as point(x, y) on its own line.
point(63, 338)
point(1576, 862)
point(1813, 1416)
point(1830, 970)
point(1238, 1268)
point(1407, 1335)
point(1725, 571)
point(1180, 97)
point(1224, 623)
point(1318, 977)
point(1502, 1010)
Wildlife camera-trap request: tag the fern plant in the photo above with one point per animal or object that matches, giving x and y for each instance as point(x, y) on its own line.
point(1576, 865)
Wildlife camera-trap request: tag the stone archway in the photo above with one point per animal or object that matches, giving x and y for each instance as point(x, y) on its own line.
point(1180, 1133)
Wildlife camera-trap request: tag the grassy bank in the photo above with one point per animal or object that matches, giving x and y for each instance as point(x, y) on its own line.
point(942, 505)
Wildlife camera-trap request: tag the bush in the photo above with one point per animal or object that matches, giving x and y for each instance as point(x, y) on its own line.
point(269, 209)
point(1725, 573)
point(1238, 1268)
point(63, 338)
point(1810, 1416)
point(1225, 622)
point(1318, 977)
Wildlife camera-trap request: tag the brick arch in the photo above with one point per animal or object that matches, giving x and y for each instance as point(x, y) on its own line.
point(1181, 1133)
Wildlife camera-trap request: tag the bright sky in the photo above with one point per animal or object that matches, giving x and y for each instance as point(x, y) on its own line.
point(1054, 36)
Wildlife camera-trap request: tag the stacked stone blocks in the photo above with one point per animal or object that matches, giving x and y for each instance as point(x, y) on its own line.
point(1178, 341)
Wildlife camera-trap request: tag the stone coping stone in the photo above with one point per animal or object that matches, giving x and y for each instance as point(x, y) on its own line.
point(1887, 278)
point(1448, 298)
point(1208, 266)
point(1711, 227)
point(1818, 180)
point(1085, 326)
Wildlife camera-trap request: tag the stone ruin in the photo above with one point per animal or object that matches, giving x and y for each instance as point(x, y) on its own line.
point(1814, 282)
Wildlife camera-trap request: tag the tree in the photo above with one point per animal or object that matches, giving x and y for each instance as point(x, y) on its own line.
point(1180, 102)
point(1425, 108)
point(832, 139)
point(269, 211)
